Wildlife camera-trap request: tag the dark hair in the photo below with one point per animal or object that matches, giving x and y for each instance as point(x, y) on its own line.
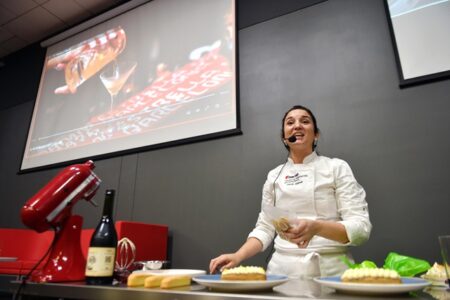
point(295, 107)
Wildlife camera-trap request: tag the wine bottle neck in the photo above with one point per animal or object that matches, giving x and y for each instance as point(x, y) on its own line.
point(108, 206)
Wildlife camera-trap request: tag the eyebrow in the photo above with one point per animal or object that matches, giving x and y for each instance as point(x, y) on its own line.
point(301, 118)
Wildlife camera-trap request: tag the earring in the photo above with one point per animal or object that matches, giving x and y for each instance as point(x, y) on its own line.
point(315, 143)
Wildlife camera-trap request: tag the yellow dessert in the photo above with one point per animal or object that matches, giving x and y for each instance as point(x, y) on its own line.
point(436, 272)
point(136, 279)
point(244, 273)
point(175, 281)
point(367, 275)
point(153, 281)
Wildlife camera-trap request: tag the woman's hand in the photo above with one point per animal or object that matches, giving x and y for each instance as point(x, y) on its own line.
point(224, 261)
point(301, 232)
point(231, 260)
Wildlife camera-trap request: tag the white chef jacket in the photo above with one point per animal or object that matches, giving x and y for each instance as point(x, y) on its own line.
point(320, 188)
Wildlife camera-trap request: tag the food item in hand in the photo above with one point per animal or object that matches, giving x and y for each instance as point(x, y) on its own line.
point(366, 275)
point(153, 281)
point(244, 273)
point(175, 281)
point(136, 279)
point(281, 225)
point(436, 272)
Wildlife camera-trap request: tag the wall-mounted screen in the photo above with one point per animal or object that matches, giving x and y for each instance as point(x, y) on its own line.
point(421, 36)
point(160, 74)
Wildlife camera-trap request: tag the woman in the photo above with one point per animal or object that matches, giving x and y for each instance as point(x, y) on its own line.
point(329, 206)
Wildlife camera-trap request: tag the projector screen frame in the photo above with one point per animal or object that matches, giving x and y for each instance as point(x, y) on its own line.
point(149, 147)
point(423, 78)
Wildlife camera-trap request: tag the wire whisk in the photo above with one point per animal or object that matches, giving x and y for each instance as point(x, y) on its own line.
point(126, 254)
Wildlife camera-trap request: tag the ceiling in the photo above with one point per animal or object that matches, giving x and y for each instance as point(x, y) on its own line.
point(24, 22)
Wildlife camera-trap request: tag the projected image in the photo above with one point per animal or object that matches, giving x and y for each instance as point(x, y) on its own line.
point(401, 7)
point(160, 73)
point(421, 36)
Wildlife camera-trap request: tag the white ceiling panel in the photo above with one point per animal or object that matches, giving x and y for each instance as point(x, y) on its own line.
point(5, 15)
point(40, 2)
point(68, 11)
point(48, 23)
point(23, 22)
point(4, 35)
point(19, 6)
point(95, 6)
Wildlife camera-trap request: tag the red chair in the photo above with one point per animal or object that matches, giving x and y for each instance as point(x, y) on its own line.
point(26, 245)
point(150, 239)
point(29, 246)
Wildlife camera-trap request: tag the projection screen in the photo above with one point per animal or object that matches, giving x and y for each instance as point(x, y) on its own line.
point(421, 36)
point(161, 74)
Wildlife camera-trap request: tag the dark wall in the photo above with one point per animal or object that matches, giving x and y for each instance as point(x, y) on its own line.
point(335, 57)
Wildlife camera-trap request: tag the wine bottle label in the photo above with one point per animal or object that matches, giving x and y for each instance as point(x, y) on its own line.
point(100, 261)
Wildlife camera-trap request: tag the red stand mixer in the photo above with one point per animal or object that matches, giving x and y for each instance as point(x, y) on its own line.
point(51, 207)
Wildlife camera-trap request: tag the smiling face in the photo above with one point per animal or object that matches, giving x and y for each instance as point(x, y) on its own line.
point(300, 123)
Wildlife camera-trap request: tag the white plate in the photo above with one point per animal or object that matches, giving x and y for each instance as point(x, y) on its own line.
point(171, 272)
point(408, 285)
point(214, 282)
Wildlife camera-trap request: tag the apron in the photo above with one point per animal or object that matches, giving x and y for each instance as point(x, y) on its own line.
point(296, 193)
point(308, 264)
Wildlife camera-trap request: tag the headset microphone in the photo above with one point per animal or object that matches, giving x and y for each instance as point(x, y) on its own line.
point(292, 138)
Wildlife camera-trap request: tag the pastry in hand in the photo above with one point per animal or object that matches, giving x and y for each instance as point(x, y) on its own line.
point(281, 226)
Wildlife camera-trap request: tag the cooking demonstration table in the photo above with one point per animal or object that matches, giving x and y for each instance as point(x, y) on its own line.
point(294, 289)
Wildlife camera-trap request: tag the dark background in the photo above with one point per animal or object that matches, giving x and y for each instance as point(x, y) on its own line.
point(335, 57)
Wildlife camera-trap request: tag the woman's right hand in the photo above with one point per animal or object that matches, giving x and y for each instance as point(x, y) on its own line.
point(224, 261)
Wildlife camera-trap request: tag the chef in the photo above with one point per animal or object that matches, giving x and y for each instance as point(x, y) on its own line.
point(320, 197)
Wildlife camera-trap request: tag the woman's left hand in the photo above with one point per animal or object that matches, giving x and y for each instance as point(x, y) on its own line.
point(301, 232)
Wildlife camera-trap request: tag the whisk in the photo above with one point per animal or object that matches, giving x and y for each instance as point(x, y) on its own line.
point(126, 254)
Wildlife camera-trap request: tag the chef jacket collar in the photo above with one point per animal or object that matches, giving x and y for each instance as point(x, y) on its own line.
point(309, 158)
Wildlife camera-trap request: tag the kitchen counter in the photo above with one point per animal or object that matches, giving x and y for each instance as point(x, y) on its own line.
point(294, 289)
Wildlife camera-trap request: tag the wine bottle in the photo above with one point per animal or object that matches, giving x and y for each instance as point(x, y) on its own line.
point(101, 256)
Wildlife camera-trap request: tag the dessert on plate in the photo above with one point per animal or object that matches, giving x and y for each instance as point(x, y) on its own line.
point(244, 273)
point(371, 275)
point(436, 274)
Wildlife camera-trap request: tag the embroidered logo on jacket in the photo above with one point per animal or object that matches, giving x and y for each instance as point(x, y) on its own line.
point(293, 179)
